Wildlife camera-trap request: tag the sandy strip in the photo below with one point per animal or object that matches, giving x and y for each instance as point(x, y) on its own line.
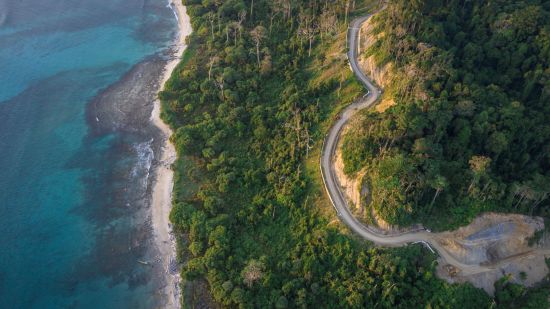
point(162, 190)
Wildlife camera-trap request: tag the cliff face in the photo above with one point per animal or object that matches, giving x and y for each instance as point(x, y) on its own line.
point(350, 185)
point(381, 75)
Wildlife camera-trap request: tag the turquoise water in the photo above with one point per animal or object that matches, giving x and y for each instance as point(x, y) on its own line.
point(68, 236)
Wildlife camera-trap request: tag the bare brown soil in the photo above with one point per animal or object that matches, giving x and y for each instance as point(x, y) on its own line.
point(501, 242)
point(355, 192)
point(492, 246)
point(380, 75)
point(350, 185)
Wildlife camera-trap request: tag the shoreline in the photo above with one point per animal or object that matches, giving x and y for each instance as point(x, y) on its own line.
point(161, 200)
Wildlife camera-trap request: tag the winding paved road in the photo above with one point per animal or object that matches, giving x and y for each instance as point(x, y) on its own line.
point(332, 184)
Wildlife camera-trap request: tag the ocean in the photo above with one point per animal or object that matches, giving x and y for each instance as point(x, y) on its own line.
point(77, 80)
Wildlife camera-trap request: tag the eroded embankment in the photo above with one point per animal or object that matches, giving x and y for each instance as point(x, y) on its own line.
point(492, 246)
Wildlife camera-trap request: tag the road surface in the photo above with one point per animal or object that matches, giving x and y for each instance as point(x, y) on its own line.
point(331, 181)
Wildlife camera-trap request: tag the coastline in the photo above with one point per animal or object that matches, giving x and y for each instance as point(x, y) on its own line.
point(161, 201)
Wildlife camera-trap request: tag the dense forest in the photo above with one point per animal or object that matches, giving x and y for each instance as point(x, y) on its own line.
point(470, 130)
point(250, 104)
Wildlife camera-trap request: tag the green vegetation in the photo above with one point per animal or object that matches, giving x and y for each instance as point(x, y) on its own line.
point(512, 295)
point(262, 81)
point(470, 130)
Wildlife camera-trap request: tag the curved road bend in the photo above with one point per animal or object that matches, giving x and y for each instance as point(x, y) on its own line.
point(331, 181)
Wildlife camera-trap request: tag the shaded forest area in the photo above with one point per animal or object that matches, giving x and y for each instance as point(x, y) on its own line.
point(470, 131)
point(250, 104)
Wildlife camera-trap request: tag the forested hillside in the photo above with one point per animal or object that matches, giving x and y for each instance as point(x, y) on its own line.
point(250, 104)
point(470, 130)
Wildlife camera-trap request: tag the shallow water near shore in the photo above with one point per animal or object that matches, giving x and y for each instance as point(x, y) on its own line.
point(76, 90)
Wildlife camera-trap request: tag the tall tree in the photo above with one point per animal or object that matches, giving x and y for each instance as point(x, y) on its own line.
point(258, 34)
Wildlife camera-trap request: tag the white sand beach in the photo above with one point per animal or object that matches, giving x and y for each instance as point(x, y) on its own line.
point(162, 189)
